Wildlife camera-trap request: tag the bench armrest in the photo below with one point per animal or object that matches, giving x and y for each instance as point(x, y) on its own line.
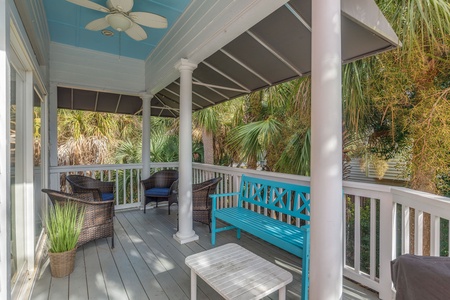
point(215, 196)
point(305, 228)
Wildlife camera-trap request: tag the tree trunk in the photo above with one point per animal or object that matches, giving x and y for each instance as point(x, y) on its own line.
point(208, 146)
point(422, 181)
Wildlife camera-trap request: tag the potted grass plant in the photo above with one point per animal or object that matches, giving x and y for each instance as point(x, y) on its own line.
point(64, 223)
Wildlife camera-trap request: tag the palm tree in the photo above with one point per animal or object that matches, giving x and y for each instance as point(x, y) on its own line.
point(274, 128)
point(208, 122)
point(406, 91)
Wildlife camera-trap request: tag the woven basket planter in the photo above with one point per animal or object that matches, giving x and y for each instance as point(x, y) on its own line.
point(62, 264)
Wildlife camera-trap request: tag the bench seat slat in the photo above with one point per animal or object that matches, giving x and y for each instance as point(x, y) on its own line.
point(241, 217)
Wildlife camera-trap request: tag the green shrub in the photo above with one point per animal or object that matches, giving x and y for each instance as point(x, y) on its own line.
point(64, 223)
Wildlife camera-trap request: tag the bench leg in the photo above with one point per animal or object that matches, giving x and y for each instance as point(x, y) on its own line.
point(238, 233)
point(213, 230)
point(305, 273)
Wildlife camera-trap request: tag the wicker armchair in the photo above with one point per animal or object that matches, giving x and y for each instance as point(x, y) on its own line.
point(201, 202)
point(101, 190)
point(158, 187)
point(173, 196)
point(98, 219)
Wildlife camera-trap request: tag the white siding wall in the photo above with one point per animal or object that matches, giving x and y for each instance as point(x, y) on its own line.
point(5, 271)
point(77, 67)
point(396, 171)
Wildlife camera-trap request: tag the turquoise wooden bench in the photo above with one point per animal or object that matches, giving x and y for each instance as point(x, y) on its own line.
point(267, 209)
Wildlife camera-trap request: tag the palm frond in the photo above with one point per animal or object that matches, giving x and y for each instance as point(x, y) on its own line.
point(253, 138)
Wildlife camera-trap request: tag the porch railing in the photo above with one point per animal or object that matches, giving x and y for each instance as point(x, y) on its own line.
point(126, 177)
point(380, 222)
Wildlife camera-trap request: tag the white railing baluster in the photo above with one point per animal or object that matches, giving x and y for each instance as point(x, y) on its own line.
point(357, 237)
point(418, 232)
point(344, 234)
point(435, 235)
point(373, 237)
point(131, 186)
point(405, 229)
point(448, 239)
point(116, 180)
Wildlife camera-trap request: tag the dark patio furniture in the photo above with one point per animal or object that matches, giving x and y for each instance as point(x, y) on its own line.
point(418, 277)
point(201, 202)
point(101, 190)
point(158, 186)
point(98, 220)
point(173, 197)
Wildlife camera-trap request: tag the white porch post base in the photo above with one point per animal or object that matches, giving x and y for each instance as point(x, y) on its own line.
point(184, 240)
point(186, 233)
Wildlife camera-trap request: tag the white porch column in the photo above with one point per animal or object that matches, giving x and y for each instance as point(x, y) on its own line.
point(146, 98)
point(326, 269)
point(53, 133)
point(186, 233)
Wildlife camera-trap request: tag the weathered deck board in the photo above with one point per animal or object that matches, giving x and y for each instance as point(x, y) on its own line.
point(133, 286)
point(94, 275)
point(77, 283)
point(148, 280)
point(166, 281)
point(147, 263)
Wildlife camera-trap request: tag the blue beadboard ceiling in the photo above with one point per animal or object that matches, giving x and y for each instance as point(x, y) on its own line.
point(66, 23)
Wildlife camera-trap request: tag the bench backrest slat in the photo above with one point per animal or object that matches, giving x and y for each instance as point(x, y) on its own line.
point(285, 198)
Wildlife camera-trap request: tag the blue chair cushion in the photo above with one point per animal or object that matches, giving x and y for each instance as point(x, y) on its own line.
point(107, 196)
point(157, 192)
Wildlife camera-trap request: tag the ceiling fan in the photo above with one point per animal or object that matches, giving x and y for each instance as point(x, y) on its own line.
point(121, 18)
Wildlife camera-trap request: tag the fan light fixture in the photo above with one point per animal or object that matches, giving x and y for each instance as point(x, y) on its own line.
point(121, 18)
point(119, 22)
point(107, 32)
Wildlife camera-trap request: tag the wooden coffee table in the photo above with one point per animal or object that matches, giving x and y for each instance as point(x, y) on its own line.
point(236, 273)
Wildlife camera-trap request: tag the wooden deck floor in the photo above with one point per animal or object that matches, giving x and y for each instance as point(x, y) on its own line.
point(147, 263)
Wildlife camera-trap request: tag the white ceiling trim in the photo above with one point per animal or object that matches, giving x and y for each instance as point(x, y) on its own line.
point(219, 87)
point(294, 12)
point(96, 101)
point(196, 81)
point(93, 70)
point(275, 53)
point(118, 103)
point(178, 95)
point(244, 88)
point(246, 67)
point(199, 95)
point(165, 106)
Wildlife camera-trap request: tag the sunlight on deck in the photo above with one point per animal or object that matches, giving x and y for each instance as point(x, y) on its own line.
point(147, 263)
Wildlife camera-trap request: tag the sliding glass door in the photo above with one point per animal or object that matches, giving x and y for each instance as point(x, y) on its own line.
point(17, 214)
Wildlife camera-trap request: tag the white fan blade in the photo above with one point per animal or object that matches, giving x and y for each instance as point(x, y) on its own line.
point(122, 5)
point(98, 24)
point(89, 4)
point(136, 32)
point(149, 19)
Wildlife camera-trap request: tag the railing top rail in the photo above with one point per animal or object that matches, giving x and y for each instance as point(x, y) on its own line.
point(426, 202)
point(304, 180)
point(80, 168)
